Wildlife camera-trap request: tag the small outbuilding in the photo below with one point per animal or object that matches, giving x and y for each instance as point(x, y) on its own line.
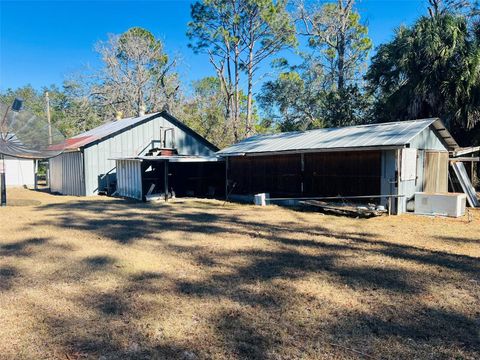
point(19, 172)
point(389, 160)
point(87, 167)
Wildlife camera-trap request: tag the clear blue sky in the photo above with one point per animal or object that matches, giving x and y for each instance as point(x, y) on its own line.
point(41, 42)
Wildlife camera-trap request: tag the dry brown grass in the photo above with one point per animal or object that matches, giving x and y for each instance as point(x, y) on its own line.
point(100, 277)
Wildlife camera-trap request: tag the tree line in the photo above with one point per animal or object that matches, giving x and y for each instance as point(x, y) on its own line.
point(335, 77)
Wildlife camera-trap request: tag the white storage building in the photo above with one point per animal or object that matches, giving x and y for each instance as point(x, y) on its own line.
point(19, 172)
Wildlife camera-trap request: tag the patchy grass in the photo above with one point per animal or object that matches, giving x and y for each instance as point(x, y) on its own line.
point(92, 277)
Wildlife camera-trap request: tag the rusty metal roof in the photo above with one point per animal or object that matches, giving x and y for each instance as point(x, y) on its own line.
point(105, 130)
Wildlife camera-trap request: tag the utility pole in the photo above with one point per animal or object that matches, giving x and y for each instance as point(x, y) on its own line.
point(50, 140)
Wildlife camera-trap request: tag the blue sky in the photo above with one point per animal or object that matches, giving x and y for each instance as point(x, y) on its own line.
point(42, 42)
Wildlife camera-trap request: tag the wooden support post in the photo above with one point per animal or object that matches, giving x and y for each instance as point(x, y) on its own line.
point(47, 174)
point(166, 179)
point(35, 174)
point(398, 181)
point(226, 178)
point(302, 169)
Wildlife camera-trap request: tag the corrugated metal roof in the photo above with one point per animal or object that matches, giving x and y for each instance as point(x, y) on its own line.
point(104, 130)
point(113, 127)
point(394, 134)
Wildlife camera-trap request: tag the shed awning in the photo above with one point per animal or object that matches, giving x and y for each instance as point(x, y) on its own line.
point(173, 158)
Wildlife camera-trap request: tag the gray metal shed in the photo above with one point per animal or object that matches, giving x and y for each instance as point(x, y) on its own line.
point(87, 166)
point(395, 159)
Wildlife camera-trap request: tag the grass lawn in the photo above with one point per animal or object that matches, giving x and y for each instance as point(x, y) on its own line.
point(107, 278)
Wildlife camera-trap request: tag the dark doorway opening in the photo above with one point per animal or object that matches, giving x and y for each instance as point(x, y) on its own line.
point(184, 179)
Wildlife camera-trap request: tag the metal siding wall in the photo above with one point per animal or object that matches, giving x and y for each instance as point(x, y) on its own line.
point(427, 140)
point(407, 188)
point(133, 142)
point(66, 174)
point(129, 180)
point(56, 174)
point(420, 170)
point(72, 169)
point(388, 178)
point(91, 167)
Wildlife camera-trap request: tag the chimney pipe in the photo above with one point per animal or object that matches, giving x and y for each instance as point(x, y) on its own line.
point(141, 111)
point(118, 115)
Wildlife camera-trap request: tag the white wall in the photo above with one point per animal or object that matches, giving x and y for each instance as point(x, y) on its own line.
point(19, 172)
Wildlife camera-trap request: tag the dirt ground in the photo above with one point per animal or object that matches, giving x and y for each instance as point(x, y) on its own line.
point(106, 278)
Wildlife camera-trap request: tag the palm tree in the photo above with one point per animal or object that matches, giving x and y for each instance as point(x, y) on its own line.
point(431, 69)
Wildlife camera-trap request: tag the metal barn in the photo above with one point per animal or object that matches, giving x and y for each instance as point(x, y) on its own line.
point(87, 166)
point(380, 160)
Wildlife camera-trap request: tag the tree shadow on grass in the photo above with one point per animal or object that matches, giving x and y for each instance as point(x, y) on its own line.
point(21, 248)
point(258, 287)
point(429, 331)
point(459, 240)
point(7, 277)
point(99, 262)
point(241, 337)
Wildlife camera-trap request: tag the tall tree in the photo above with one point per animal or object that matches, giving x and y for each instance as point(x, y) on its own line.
point(75, 111)
point(215, 30)
point(301, 98)
point(267, 29)
point(431, 69)
point(341, 44)
point(238, 35)
point(439, 7)
point(137, 75)
point(336, 31)
point(204, 112)
point(294, 100)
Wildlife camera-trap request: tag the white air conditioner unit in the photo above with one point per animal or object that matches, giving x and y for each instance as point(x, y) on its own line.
point(446, 204)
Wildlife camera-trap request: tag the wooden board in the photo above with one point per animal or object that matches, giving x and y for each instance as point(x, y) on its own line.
point(435, 178)
point(310, 174)
point(343, 173)
point(342, 209)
